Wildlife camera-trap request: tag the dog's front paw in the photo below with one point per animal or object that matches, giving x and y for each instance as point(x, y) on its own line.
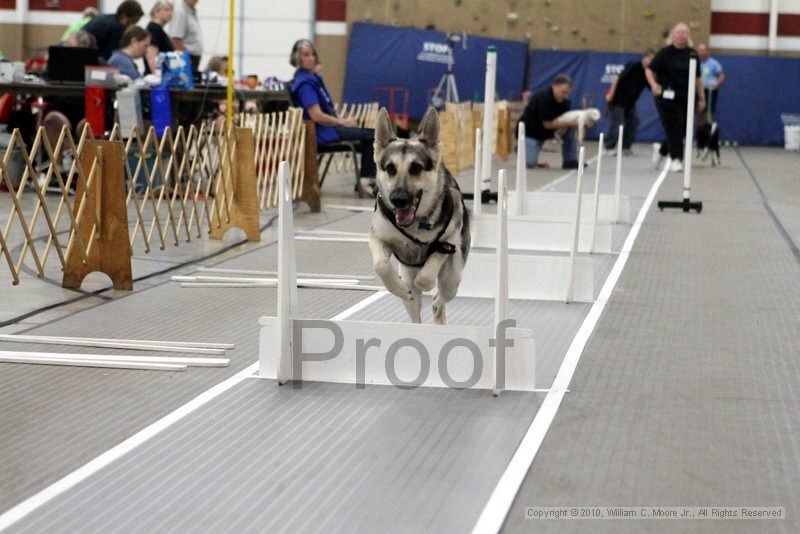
point(424, 283)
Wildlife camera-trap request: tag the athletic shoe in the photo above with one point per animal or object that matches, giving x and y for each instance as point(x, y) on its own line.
point(676, 165)
point(628, 152)
point(657, 157)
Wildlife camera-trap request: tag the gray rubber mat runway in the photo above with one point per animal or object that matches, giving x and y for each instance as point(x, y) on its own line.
point(687, 393)
point(94, 409)
point(327, 458)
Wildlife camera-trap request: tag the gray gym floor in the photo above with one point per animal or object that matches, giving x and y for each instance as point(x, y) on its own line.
point(684, 394)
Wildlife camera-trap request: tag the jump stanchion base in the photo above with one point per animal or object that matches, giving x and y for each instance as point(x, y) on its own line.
point(486, 196)
point(686, 205)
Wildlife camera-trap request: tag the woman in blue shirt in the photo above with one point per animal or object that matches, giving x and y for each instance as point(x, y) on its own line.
point(309, 92)
point(134, 45)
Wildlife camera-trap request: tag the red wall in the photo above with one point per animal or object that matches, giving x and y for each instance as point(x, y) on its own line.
point(61, 5)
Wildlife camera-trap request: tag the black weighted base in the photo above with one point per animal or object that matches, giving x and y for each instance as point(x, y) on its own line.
point(686, 205)
point(486, 196)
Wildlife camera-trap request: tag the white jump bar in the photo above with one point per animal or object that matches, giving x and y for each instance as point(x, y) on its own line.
point(130, 344)
point(275, 273)
point(77, 362)
point(162, 360)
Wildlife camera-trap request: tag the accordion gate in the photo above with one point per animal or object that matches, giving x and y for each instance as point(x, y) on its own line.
point(138, 189)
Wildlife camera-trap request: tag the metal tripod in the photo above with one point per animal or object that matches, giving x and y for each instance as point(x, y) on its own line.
point(446, 83)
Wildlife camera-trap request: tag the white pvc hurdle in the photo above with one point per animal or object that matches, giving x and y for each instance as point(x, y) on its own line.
point(529, 230)
point(596, 193)
point(529, 276)
point(613, 207)
point(576, 229)
point(476, 184)
point(297, 349)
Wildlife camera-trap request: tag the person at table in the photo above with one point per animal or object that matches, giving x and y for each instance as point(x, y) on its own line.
point(80, 39)
point(133, 46)
point(309, 92)
point(160, 15)
point(88, 14)
point(108, 29)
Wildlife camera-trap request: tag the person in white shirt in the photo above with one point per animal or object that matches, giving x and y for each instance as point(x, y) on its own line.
point(186, 32)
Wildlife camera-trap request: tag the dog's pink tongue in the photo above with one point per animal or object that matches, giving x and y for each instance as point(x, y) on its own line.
point(404, 216)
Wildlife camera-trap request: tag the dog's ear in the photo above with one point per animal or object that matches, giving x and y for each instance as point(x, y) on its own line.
point(429, 128)
point(384, 131)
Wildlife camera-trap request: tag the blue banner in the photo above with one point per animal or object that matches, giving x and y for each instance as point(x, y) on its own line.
point(756, 92)
point(388, 56)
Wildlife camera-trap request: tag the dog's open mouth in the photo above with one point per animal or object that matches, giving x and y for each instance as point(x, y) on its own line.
point(405, 216)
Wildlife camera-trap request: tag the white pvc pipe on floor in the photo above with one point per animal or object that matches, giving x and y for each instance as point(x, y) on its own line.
point(339, 233)
point(573, 251)
point(156, 346)
point(246, 280)
point(348, 287)
point(618, 175)
point(688, 149)
point(78, 361)
point(600, 149)
point(167, 360)
point(331, 239)
point(275, 273)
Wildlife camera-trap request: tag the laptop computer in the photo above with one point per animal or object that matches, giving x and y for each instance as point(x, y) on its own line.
point(66, 64)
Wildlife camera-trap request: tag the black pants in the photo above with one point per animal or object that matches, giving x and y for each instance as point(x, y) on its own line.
point(366, 138)
point(711, 100)
point(626, 117)
point(673, 119)
point(195, 63)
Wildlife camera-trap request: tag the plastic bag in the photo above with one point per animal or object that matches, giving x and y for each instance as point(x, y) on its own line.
point(176, 70)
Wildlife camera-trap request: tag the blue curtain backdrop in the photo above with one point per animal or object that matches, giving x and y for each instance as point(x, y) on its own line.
point(757, 91)
point(381, 55)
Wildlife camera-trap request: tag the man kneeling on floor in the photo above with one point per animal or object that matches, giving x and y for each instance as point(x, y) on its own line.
point(540, 119)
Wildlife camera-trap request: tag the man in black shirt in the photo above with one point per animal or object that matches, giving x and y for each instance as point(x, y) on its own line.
point(108, 29)
point(668, 77)
point(621, 99)
point(540, 122)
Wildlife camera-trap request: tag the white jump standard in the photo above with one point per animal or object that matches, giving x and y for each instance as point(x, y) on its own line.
point(402, 354)
point(551, 205)
point(533, 232)
point(686, 204)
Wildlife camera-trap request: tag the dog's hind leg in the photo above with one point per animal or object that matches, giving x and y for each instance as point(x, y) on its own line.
point(413, 306)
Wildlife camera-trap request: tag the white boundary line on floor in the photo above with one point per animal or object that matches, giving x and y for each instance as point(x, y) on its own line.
point(30, 504)
point(499, 504)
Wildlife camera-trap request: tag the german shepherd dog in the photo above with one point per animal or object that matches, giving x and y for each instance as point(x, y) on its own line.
point(420, 218)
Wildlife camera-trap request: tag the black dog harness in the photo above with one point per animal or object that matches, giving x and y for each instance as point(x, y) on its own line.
point(434, 246)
